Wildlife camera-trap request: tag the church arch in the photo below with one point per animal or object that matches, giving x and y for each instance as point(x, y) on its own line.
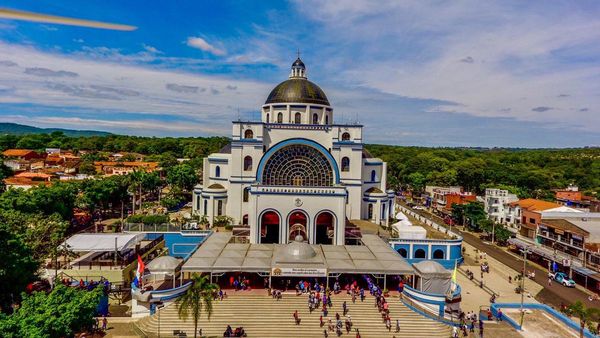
point(419, 253)
point(346, 137)
point(297, 224)
point(248, 134)
point(270, 226)
point(438, 254)
point(403, 252)
point(217, 171)
point(324, 227)
point(370, 211)
point(297, 118)
point(246, 194)
point(280, 118)
point(315, 119)
point(373, 176)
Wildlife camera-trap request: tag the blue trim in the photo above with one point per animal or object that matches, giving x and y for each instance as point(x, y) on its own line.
point(306, 142)
point(218, 178)
point(248, 140)
point(564, 319)
point(293, 193)
point(373, 163)
point(219, 160)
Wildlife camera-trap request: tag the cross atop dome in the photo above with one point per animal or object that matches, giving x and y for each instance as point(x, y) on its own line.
point(298, 69)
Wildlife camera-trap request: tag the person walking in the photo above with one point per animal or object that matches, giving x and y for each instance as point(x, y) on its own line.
point(296, 317)
point(362, 294)
point(499, 315)
point(397, 325)
point(104, 323)
point(321, 322)
point(325, 333)
point(549, 281)
point(345, 308)
point(357, 334)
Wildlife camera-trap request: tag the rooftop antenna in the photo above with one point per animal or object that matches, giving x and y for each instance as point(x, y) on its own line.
point(238, 113)
point(298, 53)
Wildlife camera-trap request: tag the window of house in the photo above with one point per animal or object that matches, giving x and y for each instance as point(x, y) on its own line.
point(219, 208)
point(205, 207)
point(345, 164)
point(247, 163)
point(315, 119)
point(532, 220)
point(373, 176)
point(217, 171)
point(326, 119)
point(345, 137)
point(248, 134)
point(268, 118)
point(297, 118)
point(280, 118)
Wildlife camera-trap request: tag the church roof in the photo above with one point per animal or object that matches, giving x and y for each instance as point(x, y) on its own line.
point(297, 90)
point(216, 186)
point(366, 154)
point(373, 190)
point(226, 149)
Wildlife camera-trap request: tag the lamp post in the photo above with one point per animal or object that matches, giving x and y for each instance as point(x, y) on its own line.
point(493, 231)
point(525, 250)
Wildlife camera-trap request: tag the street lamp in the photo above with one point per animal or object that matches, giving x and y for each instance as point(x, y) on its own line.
point(525, 251)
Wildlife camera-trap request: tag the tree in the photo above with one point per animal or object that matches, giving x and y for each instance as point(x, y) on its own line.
point(60, 313)
point(585, 314)
point(18, 266)
point(417, 181)
point(87, 168)
point(182, 176)
point(199, 295)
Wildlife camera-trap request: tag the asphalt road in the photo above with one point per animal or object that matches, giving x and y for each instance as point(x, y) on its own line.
point(554, 294)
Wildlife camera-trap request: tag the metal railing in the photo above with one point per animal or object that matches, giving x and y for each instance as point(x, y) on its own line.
point(411, 304)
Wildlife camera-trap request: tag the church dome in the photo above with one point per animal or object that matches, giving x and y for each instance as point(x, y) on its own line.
point(297, 89)
point(299, 250)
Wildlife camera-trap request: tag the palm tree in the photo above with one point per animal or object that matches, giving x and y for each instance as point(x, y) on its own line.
point(199, 295)
point(584, 313)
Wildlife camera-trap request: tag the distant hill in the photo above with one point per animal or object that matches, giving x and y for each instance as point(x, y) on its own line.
point(20, 129)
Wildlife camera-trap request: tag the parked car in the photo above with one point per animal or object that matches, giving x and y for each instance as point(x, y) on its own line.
point(418, 207)
point(563, 279)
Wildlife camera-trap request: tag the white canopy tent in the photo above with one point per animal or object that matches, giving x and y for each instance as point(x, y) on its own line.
point(102, 242)
point(406, 230)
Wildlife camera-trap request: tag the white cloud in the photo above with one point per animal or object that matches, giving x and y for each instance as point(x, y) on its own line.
point(200, 43)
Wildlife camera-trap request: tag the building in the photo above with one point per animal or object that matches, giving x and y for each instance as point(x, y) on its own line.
point(497, 205)
point(28, 180)
point(295, 172)
point(527, 215)
point(21, 154)
point(110, 168)
point(573, 197)
point(445, 197)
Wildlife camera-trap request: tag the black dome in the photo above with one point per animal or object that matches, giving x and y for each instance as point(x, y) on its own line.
point(297, 90)
point(298, 63)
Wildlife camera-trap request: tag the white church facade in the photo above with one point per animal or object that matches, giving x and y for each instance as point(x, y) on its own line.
point(295, 172)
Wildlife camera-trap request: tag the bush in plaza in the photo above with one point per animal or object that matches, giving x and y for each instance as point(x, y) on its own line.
point(223, 221)
point(148, 219)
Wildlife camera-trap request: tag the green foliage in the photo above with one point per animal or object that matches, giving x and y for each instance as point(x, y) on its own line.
point(198, 296)
point(471, 214)
point(87, 168)
point(173, 198)
point(182, 176)
point(585, 314)
point(61, 313)
point(148, 219)
point(527, 172)
point(58, 198)
point(222, 221)
point(18, 265)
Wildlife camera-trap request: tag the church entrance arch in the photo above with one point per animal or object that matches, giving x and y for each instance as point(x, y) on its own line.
point(269, 227)
point(324, 228)
point(297, 225)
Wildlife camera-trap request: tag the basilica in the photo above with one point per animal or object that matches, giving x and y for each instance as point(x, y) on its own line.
point(295, 173)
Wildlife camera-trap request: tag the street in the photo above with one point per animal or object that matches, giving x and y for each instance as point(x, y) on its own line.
point(554, 294)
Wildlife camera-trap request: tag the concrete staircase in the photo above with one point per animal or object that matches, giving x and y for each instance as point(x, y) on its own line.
point(263, 316)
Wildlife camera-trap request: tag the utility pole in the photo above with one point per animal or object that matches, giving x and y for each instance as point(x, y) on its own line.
point(523, 285)
point(493, 231)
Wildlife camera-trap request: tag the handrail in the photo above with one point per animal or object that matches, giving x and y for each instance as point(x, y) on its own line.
point(420, 310)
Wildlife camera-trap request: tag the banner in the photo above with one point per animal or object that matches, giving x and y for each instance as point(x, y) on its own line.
point(298, 272)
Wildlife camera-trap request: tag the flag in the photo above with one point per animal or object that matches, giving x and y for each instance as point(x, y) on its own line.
point(139, 272)
point(454, 283)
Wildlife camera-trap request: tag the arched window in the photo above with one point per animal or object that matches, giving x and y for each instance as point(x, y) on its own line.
point(219, 208)
point(326, 119)
point(373, 176)
point(247, 163)
point(370, 211)
point(345, 137)
point(248, 134)
point(298, 165)
point(280, 118)
point(246, 195)
point(205, 207)
point(315, 119)
point(420, 253)
point(438, 254)
point(268, 118)
point(245, 219)
point(403, 252)
point(217, 171)
point(297, 118)
point(345, 164)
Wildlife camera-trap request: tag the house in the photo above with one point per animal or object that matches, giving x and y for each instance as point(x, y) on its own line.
point(526, 214)
point(110, 168)
point(21, 154)
point(27, 180)
point(445, 197)
point(497, 205)
point(573, 197)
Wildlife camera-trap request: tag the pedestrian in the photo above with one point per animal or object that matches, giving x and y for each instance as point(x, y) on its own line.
point(104, 323)
point(397, 325)
point(480, 328)
point(362, 294)
point(296, 317)
point(321, 322)
point(454, 332)
point(357, 334)
point(549, 281)
point(345, 308)
point(499, 315)
point(325, 334)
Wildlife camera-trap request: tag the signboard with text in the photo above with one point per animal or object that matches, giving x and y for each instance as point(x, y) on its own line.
point(298, 272)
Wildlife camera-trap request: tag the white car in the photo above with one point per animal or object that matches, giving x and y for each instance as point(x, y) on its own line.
point(418, 207)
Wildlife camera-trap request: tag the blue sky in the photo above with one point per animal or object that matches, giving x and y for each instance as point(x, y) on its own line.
point(430, 73)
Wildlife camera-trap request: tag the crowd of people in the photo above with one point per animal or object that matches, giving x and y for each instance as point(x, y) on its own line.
point(238, 332)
